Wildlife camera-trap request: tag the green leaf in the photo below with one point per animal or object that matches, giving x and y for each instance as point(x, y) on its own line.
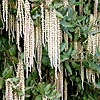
point(14, 59)
point(66, 24)
point(86, 64)
point(12, 50)
point(28, 88)
point(97, 52)
point(7, 73)
point(75, 65)
point(68, 68)
point(58, 95)
point(45, 61)
point(98, 85)
point(63, 58)
point(72, 78)
point(86, 9)
point(94, 67)
point(62, 47)
point(78, 3)
point(76, 36)
point(66, 55)
point(20, 93)
point(90, 96)
point(22, 55)
point(72, 13)
point(36, 16)
point(59, 15)
point(39, 97)
point(47, 87)
point(5, 42)
point(34, 10)
point(1, 84)
point(69, 51)
point(15, 80)
point(74, 52)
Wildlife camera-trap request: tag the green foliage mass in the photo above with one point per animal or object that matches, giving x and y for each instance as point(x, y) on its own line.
point(71, 23)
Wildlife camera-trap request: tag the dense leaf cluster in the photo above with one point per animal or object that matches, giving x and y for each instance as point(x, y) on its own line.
point(72, 23)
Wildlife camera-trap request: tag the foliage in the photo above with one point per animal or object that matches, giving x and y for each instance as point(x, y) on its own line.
point(77, 27)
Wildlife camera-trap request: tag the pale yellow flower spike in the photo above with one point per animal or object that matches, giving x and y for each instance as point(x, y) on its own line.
point(5, 12)
point(20, 76)
point(93, 78)
point(47, 24)
point(82, 69)
point(43, 24)
point(9, 91)
point(31, 45)
point(39, 51)
point(19, 22)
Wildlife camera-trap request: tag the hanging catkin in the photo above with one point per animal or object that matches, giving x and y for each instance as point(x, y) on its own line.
point(15, 96)
point(5, 12)
point(53, 47)
point(19, 22)
point(47, 24)
point(93, 78)
point(89, 45)
point(51, 39)
point(82, 69)
point(65, 89)
point(9, 91)
point(59, 40)
point(43, 24)
point(26, 35)
point(31, 45)
point(39, 50)
point(95, 9)
point(28, 38)
point(52, 29)
point(99, 29)
point(20, 76)
point(66, 40)
point(61, 82)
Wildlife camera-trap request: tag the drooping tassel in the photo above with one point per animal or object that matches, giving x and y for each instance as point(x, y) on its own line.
point(51, 40)
point(87, 74)
point(81, 8)
point(65, 89)
point(39, 51)
point(90, 74)
point(89, 45)
point(20, 76)
point(9, 91)
point(59, 40)
point(31, 45)
point(94, 45)
point(54, 40)
point(93, 79)
point(27, 31)
point(82, 69)
point(43, 24)
point(47, 24)
point(66, 40)
point(5, 12)
point(61, 82)
point(19, 22)
point(95, 9)
point(15, 96)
